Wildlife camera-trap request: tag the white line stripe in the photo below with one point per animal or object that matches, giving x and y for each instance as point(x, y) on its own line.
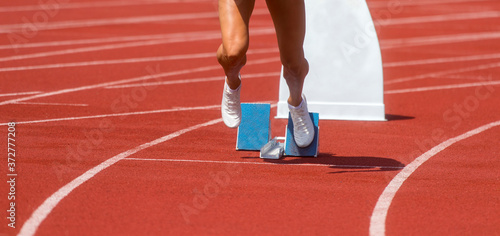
point(19, 94)
point(379, 215)
point(52, 104)
point(118, 21)
point(441, 18)
point(11, 28)
point(443, 60)
point(171, 38)
point(141, 78)
point(265, 163)
point(446, 72)
point(117, 114)
point(129, 60)
point(123, 39)
point(109, 47)
point(440, 39)
point(107, 40)
point(79, 5)
point(420, 3)
point(38, 216)
point(197, 80)
point(442, 87)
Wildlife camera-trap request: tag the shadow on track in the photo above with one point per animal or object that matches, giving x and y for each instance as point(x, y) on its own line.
point(345, 164)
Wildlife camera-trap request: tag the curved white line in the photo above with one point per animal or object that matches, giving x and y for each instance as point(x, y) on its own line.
point(379, 215)
point(41, 213)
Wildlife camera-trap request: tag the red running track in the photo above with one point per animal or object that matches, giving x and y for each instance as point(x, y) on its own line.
point(118, 129)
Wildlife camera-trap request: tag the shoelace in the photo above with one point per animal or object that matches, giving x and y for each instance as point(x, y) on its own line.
point(300, 121)
point(230, 101)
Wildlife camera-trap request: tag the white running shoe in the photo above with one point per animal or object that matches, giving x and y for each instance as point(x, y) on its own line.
point(230, 107)
point(303, 128)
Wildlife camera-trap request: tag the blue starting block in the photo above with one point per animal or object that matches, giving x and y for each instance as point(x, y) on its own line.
point(255, 128)
point(254, 134)
point(291, 148)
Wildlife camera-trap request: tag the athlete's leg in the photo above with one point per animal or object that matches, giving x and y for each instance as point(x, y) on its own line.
point(289, 22)
point(234, 16)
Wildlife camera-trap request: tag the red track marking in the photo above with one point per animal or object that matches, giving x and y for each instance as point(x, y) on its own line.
point(39, 215)
point(79, 5)
point(377, 222)
point(118, 21)
point(443, 60)
point(141, 78)
point(443, 87)
point(196, 80)
point(265, 163)
point(129, 60)
point(19, 94)
point(441, 39)
point(448, 17)
point(117, 115)
point(143, 195)
point(445, 72)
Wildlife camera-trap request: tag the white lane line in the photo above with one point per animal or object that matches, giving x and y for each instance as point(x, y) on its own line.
point(439, 39)
point(442, 87)
point(172, 38)
point(443, 60)
point(40, 214)
point(136, 79)
point(10, 28)
point(107, 40)
point(78, 5)
point(130, 60)
point(118, 114)
point(442, 18)
point(266, 163)
point(197, 80)
point(379, 215)
point(52, 104)
point(109, 47)
point(19, 94)
point(420, 3)
point(445, 72)
point(101, 85)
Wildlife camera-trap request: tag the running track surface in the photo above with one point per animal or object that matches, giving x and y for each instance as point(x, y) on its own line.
point(119, 133)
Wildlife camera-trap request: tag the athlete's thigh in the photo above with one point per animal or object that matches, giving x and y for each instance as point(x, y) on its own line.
point(289, 21)
point(234, 16)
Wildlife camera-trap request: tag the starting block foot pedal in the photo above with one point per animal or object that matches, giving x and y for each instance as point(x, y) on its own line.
point(291, 148)
point(272, 150)
point(255, 127)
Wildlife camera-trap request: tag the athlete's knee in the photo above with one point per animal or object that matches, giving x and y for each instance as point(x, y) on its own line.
point(232, 55)
point(296, 68)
